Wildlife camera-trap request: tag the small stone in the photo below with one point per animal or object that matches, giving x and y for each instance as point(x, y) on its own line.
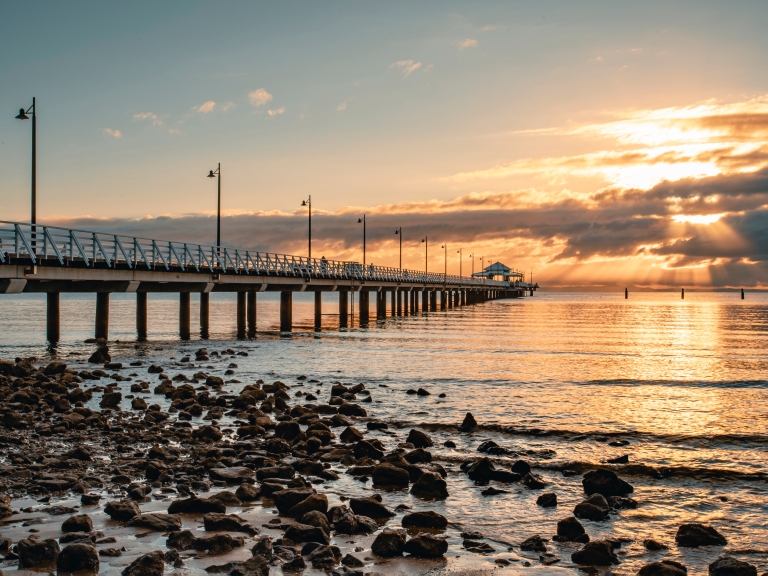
point(653, 545)
point(534, 544)
point(605, 482)
point(419, 439)
point(593, 508)
point(469, 423)
point(122, 511)
point(547, 500)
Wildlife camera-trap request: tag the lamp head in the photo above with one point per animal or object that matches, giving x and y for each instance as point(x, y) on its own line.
point(303, 202)
point(359, 220)
point(422, 239)
point(22, 115)
point(211, 174)
point(397, 232)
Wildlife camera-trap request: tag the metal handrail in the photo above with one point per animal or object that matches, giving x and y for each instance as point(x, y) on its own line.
point(23, 240)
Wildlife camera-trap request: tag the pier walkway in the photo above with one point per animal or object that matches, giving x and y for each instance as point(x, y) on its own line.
point(51, 260)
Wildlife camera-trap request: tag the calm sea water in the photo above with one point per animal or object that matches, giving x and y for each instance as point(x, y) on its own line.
point(557, 376)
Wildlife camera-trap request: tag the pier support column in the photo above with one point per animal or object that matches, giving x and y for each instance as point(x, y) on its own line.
point(205, 314)
point(102, 315)
point(241, 312)
point(52, 321)
point(399, 302)
point(425, 300)
point(184, 315)
point(286, 311)
point(141, 316)
point(343, 308)
point(318, 311)
point(433, 301)
point(365, 307)
point(381, 305)
point(251, 313)
point(443, 299)
point(463, 297)
point(406, 303)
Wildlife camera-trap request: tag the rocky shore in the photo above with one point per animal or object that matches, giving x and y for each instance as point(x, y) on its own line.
point(143, 468)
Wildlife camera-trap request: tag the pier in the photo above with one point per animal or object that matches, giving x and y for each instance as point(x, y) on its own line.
point(51, 260)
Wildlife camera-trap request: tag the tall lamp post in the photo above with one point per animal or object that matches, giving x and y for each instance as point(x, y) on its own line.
point(399, 231)
point(445, 272)
point(482, 267)
point(461, 275)
point(473, 263)
point(23, 115)
point(308, 203)
point(214, 174)
point(426, 253)
point(359, 221)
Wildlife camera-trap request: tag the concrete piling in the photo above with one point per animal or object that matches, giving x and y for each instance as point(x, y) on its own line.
point(102, 315)
point(251, 313)
point(205, 313)
point(241, 313)
point(141, 316)
point(393, 302)
point(742, 293)
point(433, 301)
point(184, 315)
point(626, 293)
point(682, 294)
point(52, 321)
point(343, 308)
point(399, 301)
point(286, 311)
point(365, 307)
point(318, 311)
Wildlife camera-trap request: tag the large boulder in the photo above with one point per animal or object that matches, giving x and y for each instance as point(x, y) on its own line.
point(306, 533)
point(233, 475)
point(227, 523)
point(419, 439)
point(389, 543)
point(695, 535)
point(75, 557)
point(663, 568)
point(593, 508)
point(77, 523)
point(570, 530)
point(730, 566)
point(426, 546)
point(388, 475)
point(287, 499)
point(156, 522)
point(427, 519)
point(596, 553)
point(122, 510)
point(196, 505)
point(605, 482)
point(370, 507)
point(468, 424)
point(431, 486)
point(152, 564)
point(36, 552)
point(315, 502)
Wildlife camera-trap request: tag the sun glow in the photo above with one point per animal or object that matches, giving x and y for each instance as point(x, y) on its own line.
point(697, 218)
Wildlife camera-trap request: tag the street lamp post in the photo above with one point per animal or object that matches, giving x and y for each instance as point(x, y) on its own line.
point(308, 203)
point(359, 221)
point(399, 231)
point(473, 263)
point(214, 174)
point(426, 253)
point(461, 275)
point(445, 272)
point(23, 116)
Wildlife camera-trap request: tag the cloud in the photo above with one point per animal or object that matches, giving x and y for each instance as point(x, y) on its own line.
point(148, 116)
point(205, 107)
point(113, 133)
point(468, 43)
point(342, 106)
point(173, 131)
point(276, 112)
point(406, 66)
point(259, 97)
point(227, 106)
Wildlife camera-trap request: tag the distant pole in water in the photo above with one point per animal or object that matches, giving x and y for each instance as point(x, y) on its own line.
point(626, 294)
point(742, 293)
point(682, 294)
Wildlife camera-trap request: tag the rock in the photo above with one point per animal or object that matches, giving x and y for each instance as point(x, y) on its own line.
point(521, 467)
point(469, 423)
point(364, 449)
point(695, 535)
point(619, 502)
point(36, 552)
point(478, 547)
point(533, 481)
point(209, 433)
point(248, 492)
point(296, 565)
point(620, 460)
point(427, 519)
point(195, 505)
point(138, 404)
point(352, 561)
point(388, 475)
point(597, 553)
point(234, 474)
point(101, 356)
point(729, 566)
point(350, 434)
point(547, 500)
point(156, 522)
point(370, 507)
point(325, 557)
point(605, 482)
point(418, 456)
point(570, 530)
point(90, 499)
point(426, 546)
point(152, 564)
point(492, 491)
point(315, 502)
point(216, 544)
point(307, 533)
point(653, 545)
point(430, 486)
point(55, 368)
point(111, 400)
point(419, 439)
point(534, 544)
point(122, 511)
point(77, 523)
point(228, 523)
point(287, 499)
point(389, 543)
point(663, 568)
point(76, 557)
point(79, 453)
point(283, 472)
point(317, 519)
point(481, 470)
point(287, 430)
point(593, 508)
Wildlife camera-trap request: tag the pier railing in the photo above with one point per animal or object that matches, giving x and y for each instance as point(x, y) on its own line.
point(50, 245)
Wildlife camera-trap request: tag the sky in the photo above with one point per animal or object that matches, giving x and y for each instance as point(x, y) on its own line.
point(603, 144)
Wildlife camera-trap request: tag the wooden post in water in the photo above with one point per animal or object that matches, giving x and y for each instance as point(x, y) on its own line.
point(184, 315)
point(141, 316)
point(102, 315)
point(286, 311)
point(251, 307)
point(365, 307)
point(205, 314)
point(343, 308)
point(241, 311)
point(626, 293)
point(53, 322)
point(682, 294)
point(742, 293)
point(318, 311)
